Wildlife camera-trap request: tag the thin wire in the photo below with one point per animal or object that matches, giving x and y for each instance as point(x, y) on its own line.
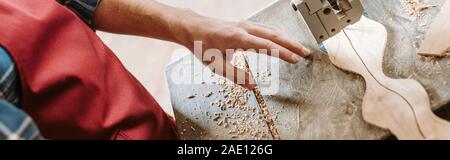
point(409, 104)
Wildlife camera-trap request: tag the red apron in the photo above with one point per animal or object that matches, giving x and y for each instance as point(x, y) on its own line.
point(73, 86)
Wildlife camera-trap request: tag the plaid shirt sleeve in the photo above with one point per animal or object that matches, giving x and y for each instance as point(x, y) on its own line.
point(14, 123)
point(85, 9)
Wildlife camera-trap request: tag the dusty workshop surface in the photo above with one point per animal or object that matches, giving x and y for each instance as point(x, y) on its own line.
point(316, 100)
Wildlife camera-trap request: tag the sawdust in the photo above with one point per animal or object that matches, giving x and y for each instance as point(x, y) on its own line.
point(209, 94)
point(245, 128)
point(190, 97)
point(415, 8)
point(263, 77)
point(216, 118)
point(245, 122)
point(235, 98)
point(266, 115)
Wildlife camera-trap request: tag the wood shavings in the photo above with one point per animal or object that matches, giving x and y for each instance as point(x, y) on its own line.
point(216, 118)
point(415, 8)
point(266, 115)
point(235, 95)
point(263, 77)
point(245, 129)
point(208, 94)
point(264, 110)
point(223, 122)
point(190, 97)
point(245, 122)
point(235, 98)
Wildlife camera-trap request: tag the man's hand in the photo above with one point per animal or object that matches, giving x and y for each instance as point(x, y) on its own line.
point(151, 19)
point(222, 35)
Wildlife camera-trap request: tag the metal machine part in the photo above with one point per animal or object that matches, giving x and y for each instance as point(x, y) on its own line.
point(326, 18)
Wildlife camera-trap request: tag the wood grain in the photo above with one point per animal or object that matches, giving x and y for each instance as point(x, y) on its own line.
point(437, 38)
point(400, 105)
point(381, 106)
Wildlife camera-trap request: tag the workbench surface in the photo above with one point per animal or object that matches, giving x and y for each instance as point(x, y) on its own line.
point(316, 100)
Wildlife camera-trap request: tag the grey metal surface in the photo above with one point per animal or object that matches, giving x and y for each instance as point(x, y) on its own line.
point(316, 99)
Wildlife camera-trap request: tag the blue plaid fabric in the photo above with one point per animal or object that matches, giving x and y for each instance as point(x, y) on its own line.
point(14, 123)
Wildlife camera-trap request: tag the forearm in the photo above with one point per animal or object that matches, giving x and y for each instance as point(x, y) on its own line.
point(151, 19)
point(143, 18)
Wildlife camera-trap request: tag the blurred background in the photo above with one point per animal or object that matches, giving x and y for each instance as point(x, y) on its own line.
point(146, 58)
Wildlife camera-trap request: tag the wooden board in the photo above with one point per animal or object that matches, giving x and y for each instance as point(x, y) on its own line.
point(360, 49)
point(437, 38)
point(318, 100)
point(400, 105)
